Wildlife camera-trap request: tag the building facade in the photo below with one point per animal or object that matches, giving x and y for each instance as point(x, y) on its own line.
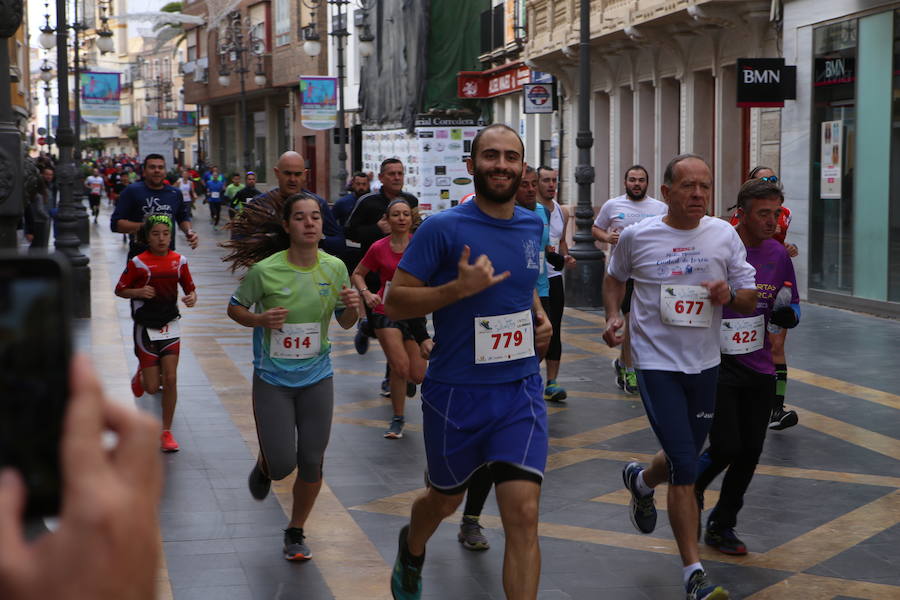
point(842, 150)
point(270, 88)
point(663, 76)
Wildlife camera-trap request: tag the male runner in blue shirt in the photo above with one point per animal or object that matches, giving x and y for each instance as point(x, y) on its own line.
point(482, 398)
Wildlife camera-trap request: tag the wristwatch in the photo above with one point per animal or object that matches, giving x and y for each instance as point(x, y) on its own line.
point(731, 291)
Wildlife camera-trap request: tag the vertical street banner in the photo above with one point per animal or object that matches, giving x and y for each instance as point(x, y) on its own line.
point(832, 151)
point(187, 122)
point(157, 142)
point(100, 97)
point(318, 102)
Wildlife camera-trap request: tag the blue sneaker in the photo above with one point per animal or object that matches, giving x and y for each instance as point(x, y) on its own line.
point(642, 509)
point(406, 579)
point(553, 392)
point(699, 588)
point(361, 340)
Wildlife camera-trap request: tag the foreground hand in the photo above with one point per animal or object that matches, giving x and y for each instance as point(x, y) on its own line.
point(614, 334)
point(570, 261)
point(792, 250)
point(425, 348)
point(384, 226)
point(614, 238)
point(192, 239)
point(349, 298)
point(477, 276)
point(273, 318)
point(191, 299)
point(543, 331)
point(106, 545)
point(719, 292)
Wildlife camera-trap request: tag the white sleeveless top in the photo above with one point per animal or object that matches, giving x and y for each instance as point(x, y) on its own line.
point(556, 231)
point(185, 187)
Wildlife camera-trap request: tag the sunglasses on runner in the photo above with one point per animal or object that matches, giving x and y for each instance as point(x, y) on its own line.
point(770, 178)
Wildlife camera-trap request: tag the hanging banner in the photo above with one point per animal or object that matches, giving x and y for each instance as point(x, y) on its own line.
point(157, 142)
point(318, 102)
point(187, 122)
point(100, 97)
point(832, 151)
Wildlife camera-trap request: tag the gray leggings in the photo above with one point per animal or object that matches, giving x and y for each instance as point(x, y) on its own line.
point(293, 426)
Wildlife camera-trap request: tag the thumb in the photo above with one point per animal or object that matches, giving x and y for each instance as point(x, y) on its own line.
point(464, 255)
point(12, 503)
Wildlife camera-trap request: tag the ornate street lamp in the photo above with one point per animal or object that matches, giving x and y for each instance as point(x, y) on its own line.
point(312, 46)
point(238, 41)
point(585, 281)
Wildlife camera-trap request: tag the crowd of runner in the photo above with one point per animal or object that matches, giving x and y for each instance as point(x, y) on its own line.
point(699, 306)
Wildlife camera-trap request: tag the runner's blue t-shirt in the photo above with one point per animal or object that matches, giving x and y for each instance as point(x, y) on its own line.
point(512, 245)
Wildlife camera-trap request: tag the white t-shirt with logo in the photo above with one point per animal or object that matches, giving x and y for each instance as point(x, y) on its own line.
point(658, 257)
point(620, 212)
point(95, 184)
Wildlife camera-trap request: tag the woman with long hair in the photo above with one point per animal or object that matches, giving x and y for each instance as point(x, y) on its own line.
point(399, 339)
point(288, 296)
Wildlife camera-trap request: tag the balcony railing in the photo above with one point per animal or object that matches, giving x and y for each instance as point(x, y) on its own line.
point(553, 24)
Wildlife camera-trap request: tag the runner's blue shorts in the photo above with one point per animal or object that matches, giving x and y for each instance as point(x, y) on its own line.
point(469, 425)
point(680, 410)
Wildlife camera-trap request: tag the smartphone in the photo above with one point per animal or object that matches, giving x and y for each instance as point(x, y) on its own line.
point(35, 350)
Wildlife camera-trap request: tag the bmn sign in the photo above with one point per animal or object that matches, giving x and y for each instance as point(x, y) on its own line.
point(765, 82)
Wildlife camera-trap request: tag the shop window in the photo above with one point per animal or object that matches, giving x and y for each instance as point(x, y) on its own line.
point(832, 140)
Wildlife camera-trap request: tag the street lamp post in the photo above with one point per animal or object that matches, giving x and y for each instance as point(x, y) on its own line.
point(50, 38)
point(11, 196)
point(585, 282)
point(70, 209)
point(340, 33)
point(237, 45)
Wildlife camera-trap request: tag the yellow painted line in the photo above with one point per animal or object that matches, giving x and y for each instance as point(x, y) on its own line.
point(350, 564)
point(815, 587)
point(846, 388)
point(361, 373)
point(574, 456)
point(400, 505)
point(590, 317)
point(340, 409)
point(623, 497)
point(834, 537)
point(108, 347)
point(570, 358)
point(375, 423)
point(601, 434)
point(853, 434)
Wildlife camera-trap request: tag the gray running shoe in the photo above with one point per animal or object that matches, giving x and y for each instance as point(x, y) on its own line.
point(620, 373)
point(294, 546)
point(470, 534)
point(641, 509)
point(395, 431)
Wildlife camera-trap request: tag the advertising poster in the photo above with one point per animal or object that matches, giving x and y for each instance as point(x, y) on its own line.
point(433, 158)
point(159, 141)
point(187, 122)
point(832, 158)
point(318, 102)
point(100, 97)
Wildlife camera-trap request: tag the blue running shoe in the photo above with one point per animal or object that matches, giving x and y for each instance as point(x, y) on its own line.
point(406, 578)
point(361, 340)
point(553, 392)
point(642, 509)
point(699, 588)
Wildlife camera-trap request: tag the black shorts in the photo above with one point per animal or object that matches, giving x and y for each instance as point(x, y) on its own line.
point(379, 321)
point(626, 301)
point(94, 199)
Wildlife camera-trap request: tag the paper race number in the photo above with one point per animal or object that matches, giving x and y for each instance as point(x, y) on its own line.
point(742, 336)
point(169, 331)
point(685, 305)
point(503, 338)
point(296, 340)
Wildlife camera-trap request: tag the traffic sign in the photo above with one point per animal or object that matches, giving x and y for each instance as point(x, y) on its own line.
point(41, 141)
point(42, 131)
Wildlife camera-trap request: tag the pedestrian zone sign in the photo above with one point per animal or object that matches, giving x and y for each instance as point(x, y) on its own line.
point(537, 98)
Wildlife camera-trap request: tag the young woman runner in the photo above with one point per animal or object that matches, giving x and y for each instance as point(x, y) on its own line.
point(399, 339)
point(293, 288)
